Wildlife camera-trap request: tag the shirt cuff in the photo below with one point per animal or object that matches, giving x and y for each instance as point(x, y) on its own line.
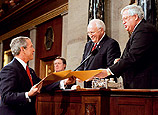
point(27, 97)
point(109, 72)
point(62, 86)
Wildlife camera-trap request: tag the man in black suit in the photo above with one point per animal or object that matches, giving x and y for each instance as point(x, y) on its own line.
point(138, 64)
point(108, 48)
point(60, 65)
point(18, 82)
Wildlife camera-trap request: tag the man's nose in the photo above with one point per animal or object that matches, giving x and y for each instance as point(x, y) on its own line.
point(123, 22)
point(91, 35)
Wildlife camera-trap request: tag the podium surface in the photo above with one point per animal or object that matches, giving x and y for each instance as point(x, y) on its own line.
point(98, 102)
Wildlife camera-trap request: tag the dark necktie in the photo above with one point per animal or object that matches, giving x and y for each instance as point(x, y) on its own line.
point(28, 73)
point(94, 46)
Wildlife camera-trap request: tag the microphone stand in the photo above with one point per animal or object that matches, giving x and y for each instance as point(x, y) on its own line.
point(94, 52)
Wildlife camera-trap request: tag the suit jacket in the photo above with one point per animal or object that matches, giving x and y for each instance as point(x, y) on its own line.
point(14, 82)
point(108, 51)
point(139, 61)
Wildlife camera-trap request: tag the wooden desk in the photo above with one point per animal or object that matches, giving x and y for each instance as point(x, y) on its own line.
point(99, 102)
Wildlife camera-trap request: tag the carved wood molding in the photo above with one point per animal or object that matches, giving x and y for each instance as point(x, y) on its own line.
point(49, 15)
point(25, 5)
point(90, 109)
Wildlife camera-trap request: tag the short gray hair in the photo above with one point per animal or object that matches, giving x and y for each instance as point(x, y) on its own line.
point(99, 23)
point(17, 43)
point(134, 9)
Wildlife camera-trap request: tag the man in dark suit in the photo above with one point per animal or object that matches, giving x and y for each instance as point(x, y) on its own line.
point(18, 82)
point(138, 64)
point(60, 65)
point(108, 48)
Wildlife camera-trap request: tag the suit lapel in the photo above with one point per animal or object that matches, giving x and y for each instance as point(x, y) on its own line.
point(23, 71)
point(99, 46)
point(135, 31)
point(89, 61)
point(129, 43)
point(89, 48)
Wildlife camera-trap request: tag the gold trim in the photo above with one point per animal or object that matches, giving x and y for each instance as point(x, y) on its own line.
point(7, 57)
point(49, 15)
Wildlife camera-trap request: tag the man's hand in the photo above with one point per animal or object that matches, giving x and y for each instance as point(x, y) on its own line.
point(70, 80)
point(77, 79)
point(116, 60)
point(102, 74)
point(35, 89)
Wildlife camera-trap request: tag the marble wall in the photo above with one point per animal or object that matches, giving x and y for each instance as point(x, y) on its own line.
point(77, 32)
point(75, 28)
point(117, 29)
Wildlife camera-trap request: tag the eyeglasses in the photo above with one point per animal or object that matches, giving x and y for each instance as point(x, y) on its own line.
point(92, 33)
point(126, 18)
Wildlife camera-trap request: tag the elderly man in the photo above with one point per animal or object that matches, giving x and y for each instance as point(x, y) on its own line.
point(108, 48)
point(18, 82)
point(139, 61)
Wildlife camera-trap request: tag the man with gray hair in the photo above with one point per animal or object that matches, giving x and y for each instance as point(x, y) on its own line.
point(138, 64)
point(108, 48)
point(18, 82)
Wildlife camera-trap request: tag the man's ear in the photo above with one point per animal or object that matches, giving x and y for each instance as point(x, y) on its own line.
point(64, 66)
point(136, 17)
point(22, 49)
point(102, 30)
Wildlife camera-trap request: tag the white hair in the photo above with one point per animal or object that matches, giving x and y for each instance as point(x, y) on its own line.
point(134, 9)
point(17, 43)
point(99, 23)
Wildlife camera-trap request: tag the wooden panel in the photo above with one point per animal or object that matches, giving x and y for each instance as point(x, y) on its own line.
point(126, 105)
point(134, 109)
point(91, 105)
point(56, 24)
point(67, 109)
point(45, 108)
point(43, 54)
point(62, 103)
point(46, 67)
point(155, 106)
point(99, 102)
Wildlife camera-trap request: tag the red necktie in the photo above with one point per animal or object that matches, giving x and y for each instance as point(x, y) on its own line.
point(28, 73)
point(94, 47)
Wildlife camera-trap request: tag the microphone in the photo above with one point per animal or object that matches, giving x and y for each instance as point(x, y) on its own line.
point(93, 53)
